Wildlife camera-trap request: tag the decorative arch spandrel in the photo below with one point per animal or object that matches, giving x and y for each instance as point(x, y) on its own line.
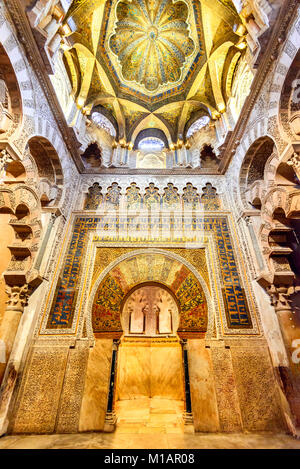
point(143, 269)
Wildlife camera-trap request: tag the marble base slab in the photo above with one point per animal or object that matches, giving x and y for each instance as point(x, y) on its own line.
point(150, 415)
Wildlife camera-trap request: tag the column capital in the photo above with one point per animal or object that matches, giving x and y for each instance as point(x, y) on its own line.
point(294, 161)
point(17, 297)
point(5, 159)
point(116, 343)
point(55, 212)
point(280, 296)
point(183, 343)
point(248, 220)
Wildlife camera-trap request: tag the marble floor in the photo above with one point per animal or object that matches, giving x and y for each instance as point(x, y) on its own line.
point(155, 441)
point(150, 415)
point(150, 424)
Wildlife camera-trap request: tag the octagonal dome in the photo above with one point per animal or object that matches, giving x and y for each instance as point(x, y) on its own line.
point(152, 41)
point(152, 63)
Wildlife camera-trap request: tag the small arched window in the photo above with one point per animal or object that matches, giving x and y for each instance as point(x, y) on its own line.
point(197, 125)
point(103, 123)
point(151, 144)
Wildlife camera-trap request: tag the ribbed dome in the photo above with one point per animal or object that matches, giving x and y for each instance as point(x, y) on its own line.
point(152, 41)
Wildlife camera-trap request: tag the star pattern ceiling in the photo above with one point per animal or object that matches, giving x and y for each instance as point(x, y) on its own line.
point(155, 63)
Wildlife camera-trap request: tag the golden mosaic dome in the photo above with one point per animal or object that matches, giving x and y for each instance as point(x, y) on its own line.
point(152, 64)
point(152, 41)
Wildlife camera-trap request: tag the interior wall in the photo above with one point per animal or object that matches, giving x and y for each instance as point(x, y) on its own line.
point(149, 369)
point(233, 386)
point(49, 399)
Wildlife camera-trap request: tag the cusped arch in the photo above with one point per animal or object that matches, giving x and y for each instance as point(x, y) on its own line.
point(148, 133)
point(276, 199)
point(25, 195)
point(289, 106)
point(15, 53)
point(42, 162)
point(280, 208)
point(188, 286)
point(256, 194)
point(108, 115)
point(46, 159)
point(10, 96)
point(144, 301)
point(22, 203)
point(152, 122)
point(7, 200)
point(256, 165)
point(203, 111)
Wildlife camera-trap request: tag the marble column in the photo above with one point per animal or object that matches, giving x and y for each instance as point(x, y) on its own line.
point(188, 414)
point(110, 418)
point(280, 299)
point(18, 299)
point(120, 155)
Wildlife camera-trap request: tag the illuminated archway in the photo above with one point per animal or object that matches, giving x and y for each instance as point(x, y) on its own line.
point(171, 272)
